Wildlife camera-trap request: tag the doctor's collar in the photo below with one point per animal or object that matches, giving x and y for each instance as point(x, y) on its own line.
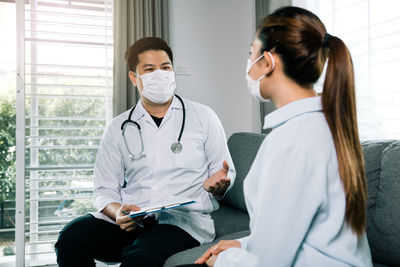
point(176, 104)
point(140, 110)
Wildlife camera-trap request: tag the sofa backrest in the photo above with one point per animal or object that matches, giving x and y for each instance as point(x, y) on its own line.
point(243, 148)
point(382, 164)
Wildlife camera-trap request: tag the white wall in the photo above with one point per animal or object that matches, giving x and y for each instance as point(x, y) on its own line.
point(213, 38)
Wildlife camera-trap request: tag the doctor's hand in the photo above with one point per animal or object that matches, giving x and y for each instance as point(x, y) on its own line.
point(210, 256)
point(122, 217)
point(218, 182)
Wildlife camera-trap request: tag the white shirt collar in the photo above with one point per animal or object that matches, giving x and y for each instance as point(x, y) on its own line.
point(140, 111)
point(291, 110)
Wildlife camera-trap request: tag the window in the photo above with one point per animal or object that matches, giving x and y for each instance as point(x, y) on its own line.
point(7, 129)
point(371, 30)
point(65, 98)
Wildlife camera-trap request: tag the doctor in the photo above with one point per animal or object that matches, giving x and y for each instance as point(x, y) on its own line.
point(163, 147)
point(306, 190)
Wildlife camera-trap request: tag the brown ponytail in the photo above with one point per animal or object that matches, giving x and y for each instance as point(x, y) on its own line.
point(299, 38)
point(339, 104)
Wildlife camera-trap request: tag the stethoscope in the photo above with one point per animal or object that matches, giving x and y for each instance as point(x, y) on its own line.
point(175, 147)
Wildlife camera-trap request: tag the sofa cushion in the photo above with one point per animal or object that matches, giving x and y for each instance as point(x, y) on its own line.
point(382, 160)
point(190, 255)
point(243, 148)
point(229, 220)
point(372, 151)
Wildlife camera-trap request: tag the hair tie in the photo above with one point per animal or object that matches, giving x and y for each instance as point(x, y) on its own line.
point(325, 41)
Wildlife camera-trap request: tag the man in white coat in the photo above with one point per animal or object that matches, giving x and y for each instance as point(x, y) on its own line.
point(163, 148)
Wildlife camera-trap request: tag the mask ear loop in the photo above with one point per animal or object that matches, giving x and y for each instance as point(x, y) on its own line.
point(137, 76)
point(257, 59)
point(251, 63)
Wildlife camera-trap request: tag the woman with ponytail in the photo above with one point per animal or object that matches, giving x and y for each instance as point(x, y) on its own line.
point(306, 191)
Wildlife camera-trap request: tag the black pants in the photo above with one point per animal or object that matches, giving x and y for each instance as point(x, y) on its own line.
point(193, 265)
point(87, 238)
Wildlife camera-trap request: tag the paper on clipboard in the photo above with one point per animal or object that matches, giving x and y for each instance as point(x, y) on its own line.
point(160, 207)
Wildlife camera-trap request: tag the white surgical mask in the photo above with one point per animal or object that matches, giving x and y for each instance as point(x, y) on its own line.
point(158, 86)
point(254, 86)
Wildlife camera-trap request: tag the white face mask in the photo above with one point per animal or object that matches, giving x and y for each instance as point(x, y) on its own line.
point(158, 86)
point(254, 86)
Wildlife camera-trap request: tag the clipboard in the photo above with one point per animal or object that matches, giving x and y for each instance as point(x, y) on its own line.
point(158, 208)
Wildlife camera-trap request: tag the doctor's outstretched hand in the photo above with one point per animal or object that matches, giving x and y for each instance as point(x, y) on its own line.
point(218, 182)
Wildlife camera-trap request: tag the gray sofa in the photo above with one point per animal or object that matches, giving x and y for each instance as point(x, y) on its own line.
point(382, 162)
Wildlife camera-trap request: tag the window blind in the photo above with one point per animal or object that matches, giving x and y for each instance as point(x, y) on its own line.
point(67, 66)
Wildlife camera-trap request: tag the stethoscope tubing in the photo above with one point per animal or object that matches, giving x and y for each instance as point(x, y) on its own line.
point(129, 120)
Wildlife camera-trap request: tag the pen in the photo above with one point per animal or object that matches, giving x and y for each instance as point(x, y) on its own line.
point(137, 222)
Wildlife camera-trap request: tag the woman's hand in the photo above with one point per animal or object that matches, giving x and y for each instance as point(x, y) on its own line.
point(210, 256)
point(211, 261)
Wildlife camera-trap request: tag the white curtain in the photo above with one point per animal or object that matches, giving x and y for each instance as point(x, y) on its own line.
point(134, 19)
point(371, 30)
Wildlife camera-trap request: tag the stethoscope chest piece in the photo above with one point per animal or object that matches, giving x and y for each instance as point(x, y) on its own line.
point(176, 147)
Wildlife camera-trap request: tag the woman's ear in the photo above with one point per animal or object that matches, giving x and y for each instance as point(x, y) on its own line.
point(270, 62)
point(132, 77)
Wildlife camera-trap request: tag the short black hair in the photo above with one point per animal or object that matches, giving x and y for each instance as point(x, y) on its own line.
point(143, 45)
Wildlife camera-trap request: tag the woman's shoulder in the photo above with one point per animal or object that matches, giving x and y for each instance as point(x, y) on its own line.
point(309, 132)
